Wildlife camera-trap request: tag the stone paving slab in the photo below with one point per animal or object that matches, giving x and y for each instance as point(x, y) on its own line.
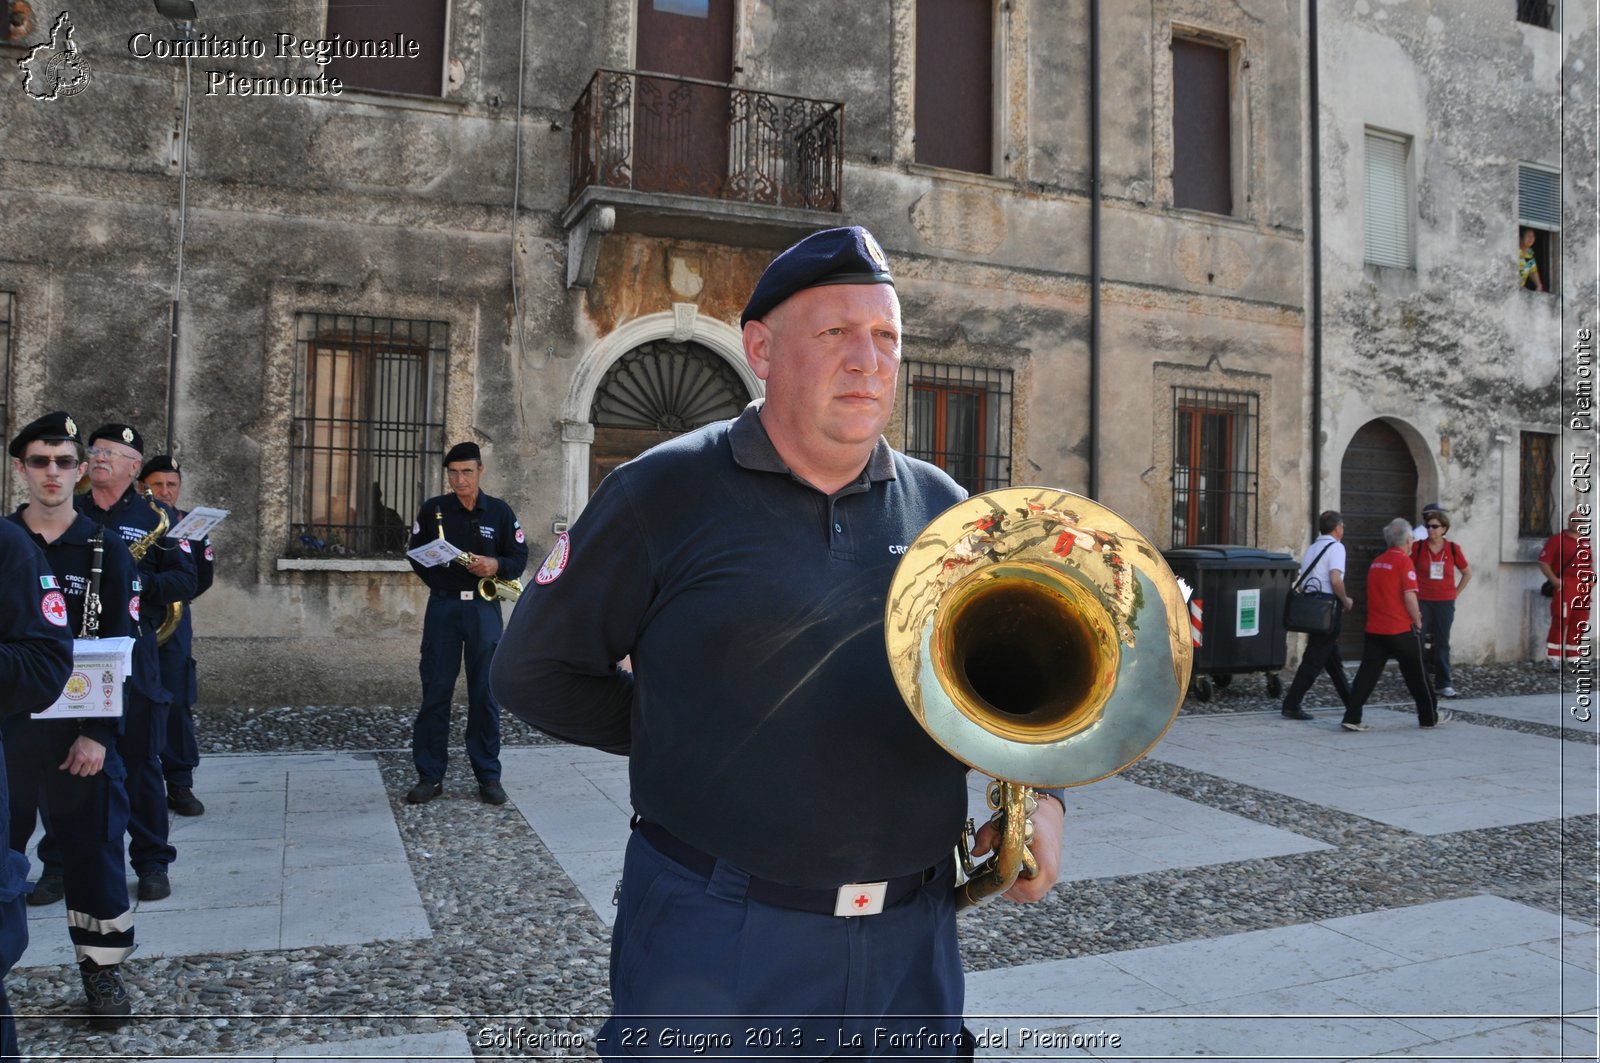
point(1453, 778)
point(412, 1048)
point(1478, 971)
point(293, 850)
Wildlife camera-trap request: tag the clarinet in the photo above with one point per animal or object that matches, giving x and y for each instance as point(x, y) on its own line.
point(91, 600)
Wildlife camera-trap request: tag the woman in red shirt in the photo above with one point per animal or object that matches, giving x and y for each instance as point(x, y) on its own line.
point(1394, 629)
point(1437, 560)
point(1567, 561)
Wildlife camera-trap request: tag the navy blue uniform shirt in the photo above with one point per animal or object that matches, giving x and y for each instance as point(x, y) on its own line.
point(35, 642)
point(489, 529)
point(71, 558)
point(761, 721)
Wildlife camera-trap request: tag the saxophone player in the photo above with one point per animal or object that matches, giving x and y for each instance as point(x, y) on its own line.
point(162, 478)
point(167, 574)
point(462, 623)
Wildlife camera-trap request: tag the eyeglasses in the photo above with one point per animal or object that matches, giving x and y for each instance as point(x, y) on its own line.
point(1435, 525)
point(44, 461)
point(107, 452)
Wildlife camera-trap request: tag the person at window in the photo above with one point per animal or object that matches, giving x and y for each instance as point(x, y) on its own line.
point(1321, 571)
point(1567, 561)
point(35, 661)
point(1437, 560)
point(461, 623)
point(1394, 631)
point(69, 769)
point(167, 573)
point(1528, 263)
point(777, 777)
point(181, 755)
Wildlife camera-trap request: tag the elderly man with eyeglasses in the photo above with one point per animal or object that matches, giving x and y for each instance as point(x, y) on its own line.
point(167, 574)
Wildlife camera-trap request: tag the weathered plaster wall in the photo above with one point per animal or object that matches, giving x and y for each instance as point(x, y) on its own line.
point(1450, 350)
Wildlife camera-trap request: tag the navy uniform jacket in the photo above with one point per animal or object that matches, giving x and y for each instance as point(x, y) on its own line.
point(489, 529)
point(71, 557)
point(205, 572)
point(166, 574)
point(35, 642)
point(762, 723)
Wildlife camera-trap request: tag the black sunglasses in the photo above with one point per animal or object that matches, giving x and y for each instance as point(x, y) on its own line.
point(44, 461)
point(1436, 525)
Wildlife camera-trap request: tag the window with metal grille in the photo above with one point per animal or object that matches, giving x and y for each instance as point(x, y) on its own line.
point(1541, 13)
point(421, 21)
point(368, 431)
point(1215, 457)
point(1539, 214)
point(7, 303)
point(954, 103)
point(1536, 491)
point(1202, 126)
point(1388, 199)
point(959, 418)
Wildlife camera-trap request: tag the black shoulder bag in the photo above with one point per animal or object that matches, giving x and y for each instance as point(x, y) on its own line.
point(1312, 612)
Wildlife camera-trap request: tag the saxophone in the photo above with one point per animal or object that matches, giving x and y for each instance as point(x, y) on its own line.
point(489, 588)
point(174, 613)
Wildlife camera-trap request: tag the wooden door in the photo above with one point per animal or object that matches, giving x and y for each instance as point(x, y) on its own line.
point(681, 127)
point(1379, 481)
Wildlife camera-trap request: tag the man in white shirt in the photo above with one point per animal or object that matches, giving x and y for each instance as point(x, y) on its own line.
point(1321, 571)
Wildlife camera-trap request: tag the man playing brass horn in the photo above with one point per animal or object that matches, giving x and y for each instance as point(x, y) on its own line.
point(791, 871)
point(462, 623)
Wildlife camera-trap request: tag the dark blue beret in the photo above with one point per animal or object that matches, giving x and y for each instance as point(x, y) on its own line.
point(125, 434)
point(54, 427)
point(160, 463)
point(850, 255)
point(463, 452)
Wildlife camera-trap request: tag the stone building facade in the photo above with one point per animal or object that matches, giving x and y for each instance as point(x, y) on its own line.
point(516, 237)
point(1448, 129)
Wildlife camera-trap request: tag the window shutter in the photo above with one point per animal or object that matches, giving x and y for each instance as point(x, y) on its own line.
point(1539, 198)
point(1388, 222)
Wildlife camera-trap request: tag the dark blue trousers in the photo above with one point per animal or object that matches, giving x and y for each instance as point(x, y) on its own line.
point(181, 753)
point(144, 733)
point(699, 969)
point(454, 630)
point(89, 815)
point(1437, 619)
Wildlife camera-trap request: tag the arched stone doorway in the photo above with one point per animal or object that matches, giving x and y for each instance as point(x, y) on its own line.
point(1378, 482)
point(656, 391)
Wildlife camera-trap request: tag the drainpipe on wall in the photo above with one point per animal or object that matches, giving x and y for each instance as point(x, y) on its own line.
point(1316, 261)
point(1094, 249)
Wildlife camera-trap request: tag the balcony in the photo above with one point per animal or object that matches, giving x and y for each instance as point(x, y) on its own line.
point(680, 157)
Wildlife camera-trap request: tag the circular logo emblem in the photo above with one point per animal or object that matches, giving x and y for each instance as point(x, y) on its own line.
point(78, 687)
point(183, 544)
point(127, 436)
point(133, 607)
point(209, 555)
point(556, 562)
point(54, 608)
point(520, 537)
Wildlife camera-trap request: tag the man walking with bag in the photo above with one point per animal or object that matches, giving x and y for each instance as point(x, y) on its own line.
point(1321, 572)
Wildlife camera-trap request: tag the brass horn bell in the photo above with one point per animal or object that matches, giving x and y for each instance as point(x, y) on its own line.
point(1039, 638)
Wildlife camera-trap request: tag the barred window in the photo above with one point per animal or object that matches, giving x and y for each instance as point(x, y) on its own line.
point(1215, 457)
point(959, 418)
point(1536, 493)
point(368, 431)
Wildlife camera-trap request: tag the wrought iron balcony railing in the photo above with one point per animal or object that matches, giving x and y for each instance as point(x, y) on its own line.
point(653, 133)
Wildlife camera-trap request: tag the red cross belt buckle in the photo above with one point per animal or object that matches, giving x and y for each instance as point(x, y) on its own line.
point(860, 898)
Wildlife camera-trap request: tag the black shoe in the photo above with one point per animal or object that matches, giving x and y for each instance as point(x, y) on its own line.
point(107, 998)
point(154, 886)
point(48, 890)
point(424, 792)
point(182, 800)
point(1297, 714)
point(490, 792)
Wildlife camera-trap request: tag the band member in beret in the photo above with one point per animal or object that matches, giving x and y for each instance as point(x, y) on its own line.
point(795, 826)
point(69, 769)
point(162, 478)
point(462, 624)
point(35, 661)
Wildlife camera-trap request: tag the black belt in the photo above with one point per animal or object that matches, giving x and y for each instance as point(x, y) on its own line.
point(776, 893)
